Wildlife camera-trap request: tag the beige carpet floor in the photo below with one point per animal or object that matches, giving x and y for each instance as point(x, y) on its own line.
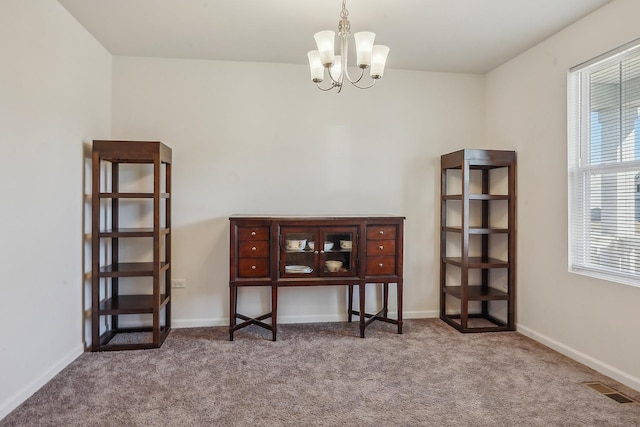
point(323, 374)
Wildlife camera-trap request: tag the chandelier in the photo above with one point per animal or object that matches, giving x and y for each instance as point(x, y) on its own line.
point(368, 55)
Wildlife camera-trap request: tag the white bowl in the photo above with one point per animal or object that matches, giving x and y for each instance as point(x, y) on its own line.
point(346, 244)
point(296, 244)
point(327, 245)
point(333, 266)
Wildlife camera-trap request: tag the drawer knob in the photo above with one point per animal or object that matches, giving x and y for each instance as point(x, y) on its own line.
point(380, 265)
point(254, 248)
point(253, 267)
point(381, 247)
point(253, 233)
point(381, 232)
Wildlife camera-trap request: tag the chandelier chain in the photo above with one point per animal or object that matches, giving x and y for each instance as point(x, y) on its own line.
point(344, 13)
point(344, 26)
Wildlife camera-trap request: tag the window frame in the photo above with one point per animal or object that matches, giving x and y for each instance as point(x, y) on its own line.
point(580, 169)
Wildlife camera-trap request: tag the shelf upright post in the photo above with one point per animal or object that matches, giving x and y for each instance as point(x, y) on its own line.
point(95, 251)
point(464, 267)
point(115, 245)
point(485, 239)
point(511, 279)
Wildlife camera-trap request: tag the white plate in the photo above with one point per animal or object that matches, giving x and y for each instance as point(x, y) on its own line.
point(298, 269)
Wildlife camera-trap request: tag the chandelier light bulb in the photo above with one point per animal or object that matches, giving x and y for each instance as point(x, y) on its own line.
point(364, 46)
point(325, 41)
point(336, 70)
point(378, 60)
point(315, 65)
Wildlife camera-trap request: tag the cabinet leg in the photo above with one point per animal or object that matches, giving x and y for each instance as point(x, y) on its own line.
point(385, 300)
point(361, 290)
point(399, 303)
point(274, 312)
point(350, 304)
point(233, 306)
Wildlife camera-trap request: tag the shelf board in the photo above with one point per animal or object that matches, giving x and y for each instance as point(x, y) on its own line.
point(132, 232)
point(476, 323)
point(132, 195)
point(477, 230)
point(106, 344)
point(477, 293)
point(131, 151)
point(130, 269)
point(478, 159)
point(477, 197)
point(130, 304)
point(477, 262)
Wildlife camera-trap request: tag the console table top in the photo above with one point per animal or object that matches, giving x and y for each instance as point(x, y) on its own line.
point(313, 217)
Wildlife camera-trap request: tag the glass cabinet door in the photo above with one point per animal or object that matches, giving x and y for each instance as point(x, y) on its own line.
point(322, 251)
point(338, 251)
point(297, 256)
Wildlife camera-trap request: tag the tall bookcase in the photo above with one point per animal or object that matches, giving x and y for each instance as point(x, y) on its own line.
point(478, 240)
point(123, 286)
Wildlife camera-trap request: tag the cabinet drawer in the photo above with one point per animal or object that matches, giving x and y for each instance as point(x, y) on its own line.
point(253, 233)
point(378, 232)
point(257, 249)
point(381, 265)
point(381, 247)
point(253, 267)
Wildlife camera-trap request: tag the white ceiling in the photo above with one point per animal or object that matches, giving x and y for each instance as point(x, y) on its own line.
point(467, 36)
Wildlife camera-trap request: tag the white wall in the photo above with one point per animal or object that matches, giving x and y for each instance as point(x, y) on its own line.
point(55, 96)
point(253, 138)
point(595, 321)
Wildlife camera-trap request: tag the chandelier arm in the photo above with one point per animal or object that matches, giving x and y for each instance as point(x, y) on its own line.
point(326, 89)
point(363, 87)
point(338, 81)
point(353, 82)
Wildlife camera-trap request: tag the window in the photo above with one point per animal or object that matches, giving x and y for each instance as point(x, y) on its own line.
point(604, 166)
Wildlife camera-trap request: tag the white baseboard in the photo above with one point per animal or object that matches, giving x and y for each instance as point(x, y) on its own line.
point(422, 314)
point(603, 368)
point(26, 392)
point(198, 323)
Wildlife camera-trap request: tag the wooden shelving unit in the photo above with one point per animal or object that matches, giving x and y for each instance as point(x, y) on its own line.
point(111, 297)
point(471, 281)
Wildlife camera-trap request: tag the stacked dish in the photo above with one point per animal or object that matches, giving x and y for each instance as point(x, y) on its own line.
point(298, 269)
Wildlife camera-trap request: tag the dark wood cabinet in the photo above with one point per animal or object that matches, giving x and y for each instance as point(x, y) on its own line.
point(478, 240)
point(112, 295)
point(315, 251)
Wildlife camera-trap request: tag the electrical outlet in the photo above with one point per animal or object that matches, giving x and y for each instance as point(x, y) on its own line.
point(178, 283)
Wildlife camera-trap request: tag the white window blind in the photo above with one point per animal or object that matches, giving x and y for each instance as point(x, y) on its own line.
point(604, 166)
